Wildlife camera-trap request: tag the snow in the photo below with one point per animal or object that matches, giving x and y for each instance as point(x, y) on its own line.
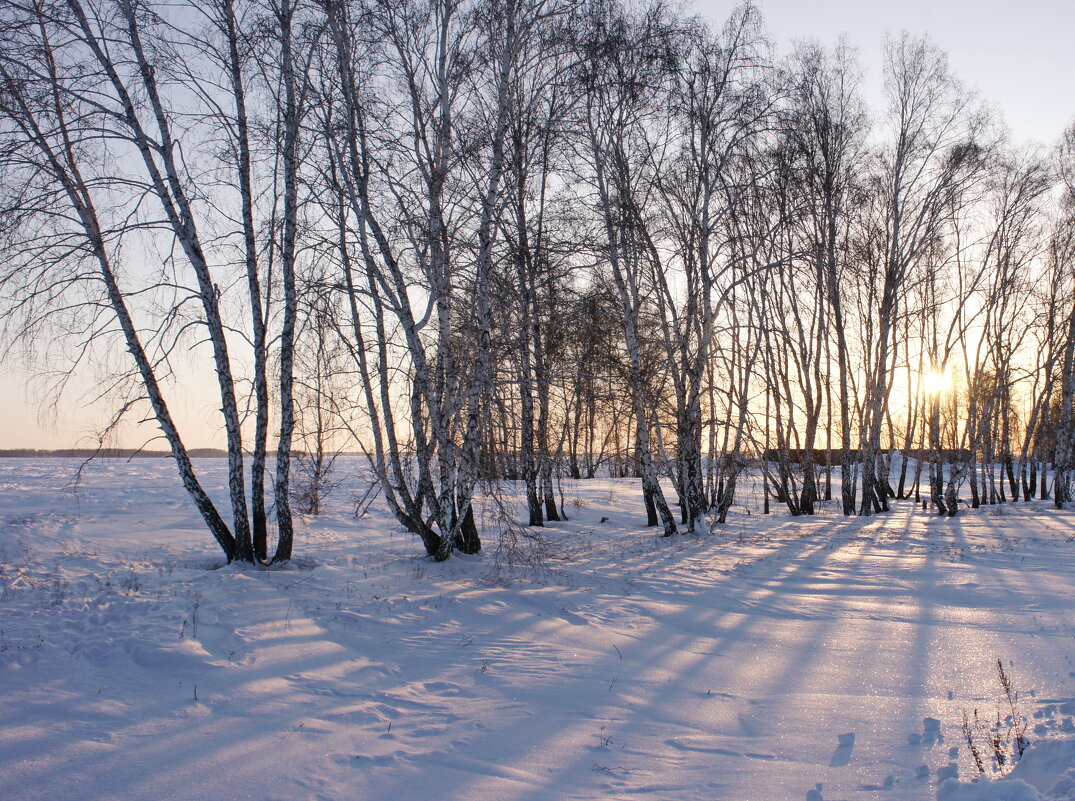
point(775, 658)
point(985, 790)
point(1045, 773)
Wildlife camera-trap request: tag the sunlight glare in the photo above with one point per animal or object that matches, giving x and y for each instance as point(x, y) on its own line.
point(935, 382)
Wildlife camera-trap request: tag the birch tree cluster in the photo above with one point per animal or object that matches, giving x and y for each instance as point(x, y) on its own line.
point(489, 241)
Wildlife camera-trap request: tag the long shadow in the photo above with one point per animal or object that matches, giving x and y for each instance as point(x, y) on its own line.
point(665, 641)
point(226, 710)
point(1022, 591)
point(946, 629)
point(660, 646)
point(1035, 589)
point(799, 668)
point(686, 621)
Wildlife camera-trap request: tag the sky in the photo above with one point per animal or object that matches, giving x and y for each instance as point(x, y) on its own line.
point(1017, 55)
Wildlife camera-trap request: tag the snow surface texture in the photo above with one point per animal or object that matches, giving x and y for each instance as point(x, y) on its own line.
point(773, 659)
point(1048, 767)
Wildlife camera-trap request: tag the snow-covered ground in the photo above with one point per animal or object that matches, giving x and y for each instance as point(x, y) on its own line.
point(722, 667)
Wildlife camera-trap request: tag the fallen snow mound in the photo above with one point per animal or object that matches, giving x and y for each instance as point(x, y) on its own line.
point(1045, 773)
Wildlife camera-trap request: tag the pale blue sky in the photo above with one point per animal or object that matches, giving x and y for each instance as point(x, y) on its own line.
point(1019, 56)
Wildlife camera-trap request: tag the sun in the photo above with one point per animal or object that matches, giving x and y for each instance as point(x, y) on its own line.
point(935, 382)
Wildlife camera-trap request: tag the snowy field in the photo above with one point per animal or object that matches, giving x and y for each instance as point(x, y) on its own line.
point(722, 667)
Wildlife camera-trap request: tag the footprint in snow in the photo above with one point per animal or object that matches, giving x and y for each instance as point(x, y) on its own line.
point(842, 755)
point(382, 761)
point(889, 783)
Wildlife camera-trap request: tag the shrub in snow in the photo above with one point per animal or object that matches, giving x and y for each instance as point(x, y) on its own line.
point(1000, 745)
point(1045, 773)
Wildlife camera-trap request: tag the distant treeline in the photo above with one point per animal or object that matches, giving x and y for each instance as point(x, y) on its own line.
point(827, 456)
point(123, 453)
point(106, 453)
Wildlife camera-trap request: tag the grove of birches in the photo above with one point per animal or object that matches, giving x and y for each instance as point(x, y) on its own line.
point(528, 241)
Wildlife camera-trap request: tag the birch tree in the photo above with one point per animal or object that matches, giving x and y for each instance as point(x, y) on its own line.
point(625, 65)
point(133, 135)
point(931, 151)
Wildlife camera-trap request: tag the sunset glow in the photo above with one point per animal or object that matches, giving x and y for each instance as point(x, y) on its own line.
point(935, 382)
